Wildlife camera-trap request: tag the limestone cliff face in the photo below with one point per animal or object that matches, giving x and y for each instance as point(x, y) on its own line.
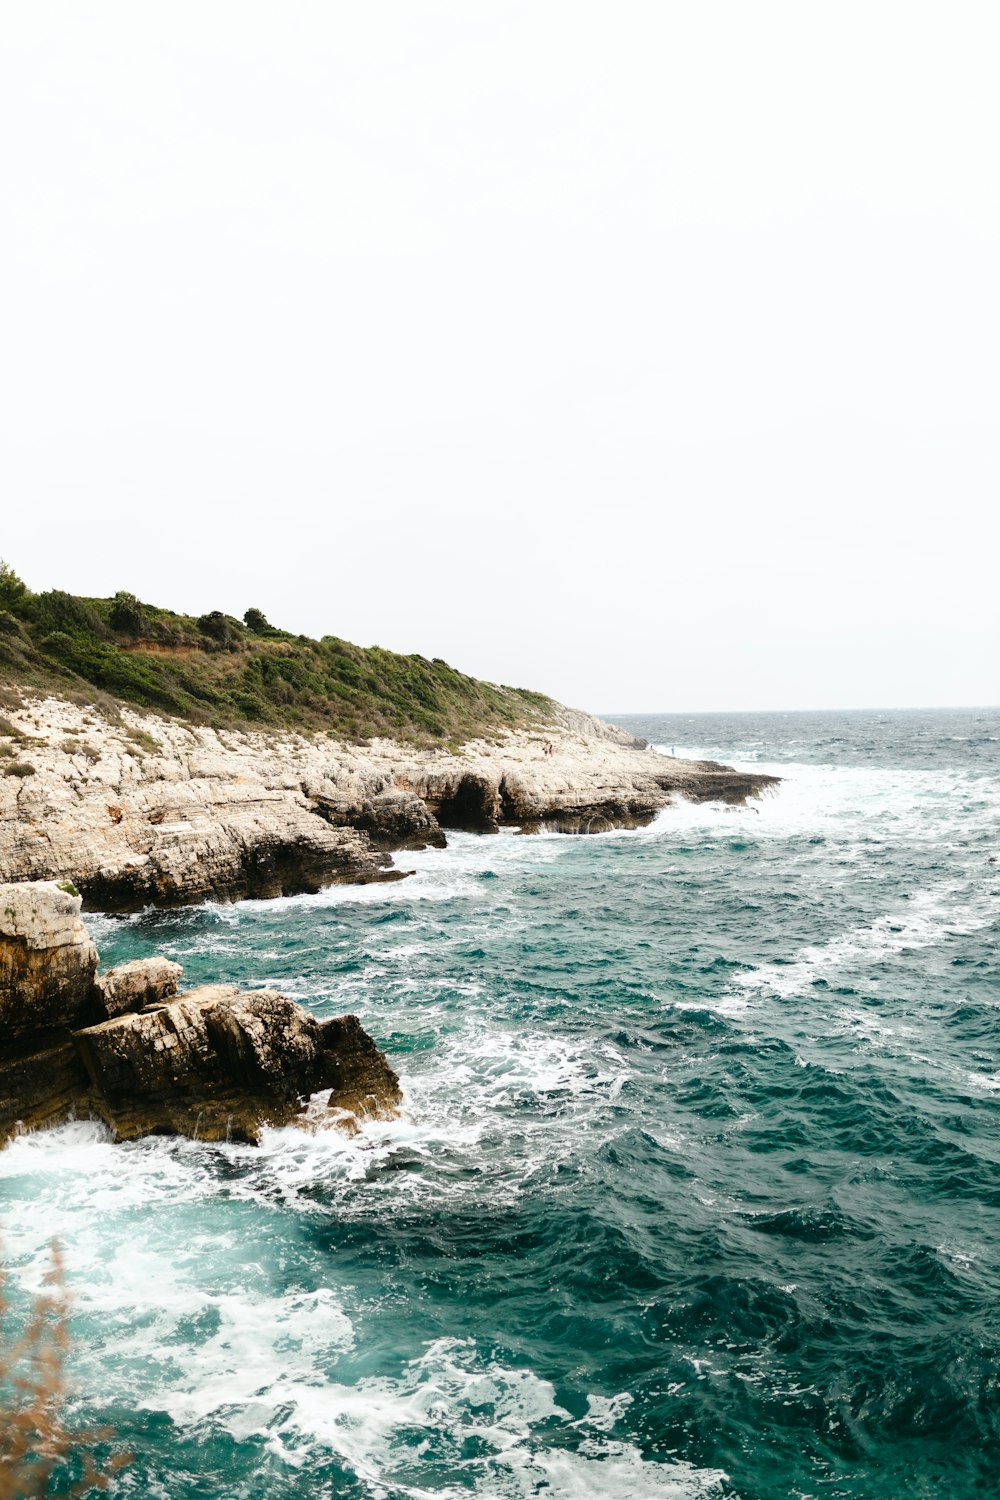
point(127, 1048)
point(150, 812)
point(47, 960)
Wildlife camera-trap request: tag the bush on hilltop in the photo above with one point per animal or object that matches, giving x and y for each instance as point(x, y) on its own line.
point(257, 623)
point(12, 588)
point(127, 615)
point(214, 669)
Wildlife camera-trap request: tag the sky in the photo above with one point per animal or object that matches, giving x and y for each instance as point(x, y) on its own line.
point(647, 354)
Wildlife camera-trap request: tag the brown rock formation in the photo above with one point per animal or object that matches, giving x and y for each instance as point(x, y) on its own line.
point(218, 1065)
point(47, 960)
point(42, 1082)
point(213, 1062)
point(132, 985)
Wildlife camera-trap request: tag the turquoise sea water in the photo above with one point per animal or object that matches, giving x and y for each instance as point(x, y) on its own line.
point(697, 1194)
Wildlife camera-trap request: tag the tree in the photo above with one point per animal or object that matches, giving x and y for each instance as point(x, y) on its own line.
point(127, 615)
point(216, 626)
point(12, 589)
point(257, 622)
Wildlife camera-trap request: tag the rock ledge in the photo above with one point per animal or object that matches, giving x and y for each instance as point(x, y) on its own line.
point(152, 812)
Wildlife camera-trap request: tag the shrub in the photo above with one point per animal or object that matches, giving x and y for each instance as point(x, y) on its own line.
point(127, 615)
point(214, 624)
point(58, 644)
point(59, 611)
point(19, 768)
point(13, 590)
point(217, 627)
point(168, 633)
point(257, 622)
point(251, 706)
point(14, 651)
point(144, 740)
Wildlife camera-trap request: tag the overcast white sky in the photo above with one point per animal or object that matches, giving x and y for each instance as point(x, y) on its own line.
point(645, 353)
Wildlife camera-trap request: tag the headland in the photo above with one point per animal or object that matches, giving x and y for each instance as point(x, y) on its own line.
point(154, 758)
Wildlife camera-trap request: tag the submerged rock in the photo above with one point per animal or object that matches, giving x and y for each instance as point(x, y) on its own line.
point(126, 1048)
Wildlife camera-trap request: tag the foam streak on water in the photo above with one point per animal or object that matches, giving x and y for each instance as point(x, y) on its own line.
point(697, 1190)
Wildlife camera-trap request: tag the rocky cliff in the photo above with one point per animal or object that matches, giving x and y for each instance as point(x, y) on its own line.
point(139, 810)
point(128, 1048)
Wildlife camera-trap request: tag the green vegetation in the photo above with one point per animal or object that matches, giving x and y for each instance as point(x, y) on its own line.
point(218, 670)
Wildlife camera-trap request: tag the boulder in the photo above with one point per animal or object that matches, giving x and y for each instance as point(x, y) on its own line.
point(391, 817)
point(47, 960)
point(217, 1064)
point(130, 986)
point(127, 1048)
point(359, 1078)
point(400, 820)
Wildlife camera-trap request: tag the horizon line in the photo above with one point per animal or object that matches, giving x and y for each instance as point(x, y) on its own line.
point(908, 708)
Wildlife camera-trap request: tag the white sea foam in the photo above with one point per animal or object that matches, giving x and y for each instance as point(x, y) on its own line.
point(848, 809)
point(457, 1400)
point(193, 1328)
point(930, 916)
point(984, 1083)
point(845, 802)
point(545, 1084)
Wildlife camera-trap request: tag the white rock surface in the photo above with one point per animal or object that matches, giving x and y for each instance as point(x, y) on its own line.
point(151, 811)
point(47, 959)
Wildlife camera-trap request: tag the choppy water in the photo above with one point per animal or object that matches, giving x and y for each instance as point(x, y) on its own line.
point(699, 1190)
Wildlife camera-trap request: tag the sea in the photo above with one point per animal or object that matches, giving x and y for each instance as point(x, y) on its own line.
point(696, 1193)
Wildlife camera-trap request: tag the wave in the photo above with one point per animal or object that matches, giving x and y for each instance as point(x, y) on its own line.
point(854, 804)
point(195, 1329)
point(931, 917)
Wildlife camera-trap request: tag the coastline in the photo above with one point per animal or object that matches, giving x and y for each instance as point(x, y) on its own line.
point(144, 811)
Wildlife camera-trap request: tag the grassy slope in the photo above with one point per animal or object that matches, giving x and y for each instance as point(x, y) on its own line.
point(221, 671)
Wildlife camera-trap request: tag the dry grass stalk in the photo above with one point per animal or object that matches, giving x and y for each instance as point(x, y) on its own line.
point(34, 1438)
